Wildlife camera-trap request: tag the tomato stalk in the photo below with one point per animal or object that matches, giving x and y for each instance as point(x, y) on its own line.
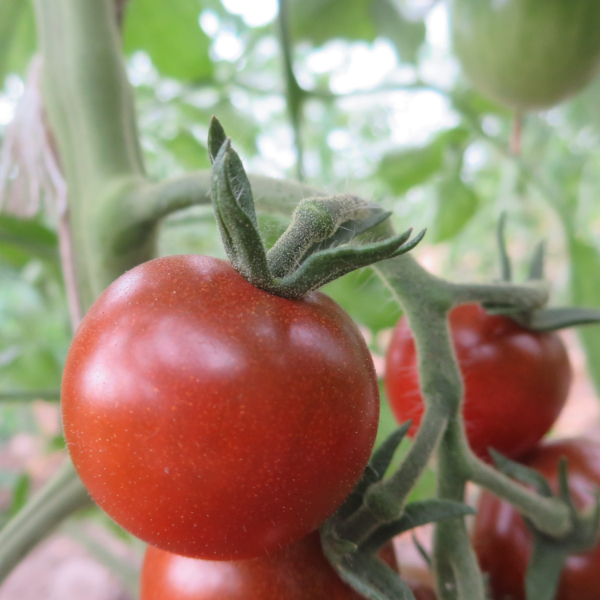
point(315, 248)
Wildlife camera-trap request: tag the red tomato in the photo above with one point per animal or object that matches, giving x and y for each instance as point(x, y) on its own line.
point(516, 381)
point(213, 419)
point(503, 542)
point(298, 572)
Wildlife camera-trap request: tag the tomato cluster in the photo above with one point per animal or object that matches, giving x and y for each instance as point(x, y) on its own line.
point(222, 425)
point(515, 384)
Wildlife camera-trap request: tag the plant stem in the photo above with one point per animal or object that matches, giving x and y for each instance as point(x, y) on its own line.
point(90, 108)
point(457, 572)
point(549, 515)
point(62, 495)
point(295, 94)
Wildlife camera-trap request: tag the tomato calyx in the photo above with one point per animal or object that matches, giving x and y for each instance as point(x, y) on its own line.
point(315, 248)
point(549, 554)
point(352, 538)
point(539, 319)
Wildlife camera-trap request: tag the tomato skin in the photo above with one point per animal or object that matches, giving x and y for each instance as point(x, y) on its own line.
point(503, 542)
point(298, 572)
point(213, 419)
point(516, 381)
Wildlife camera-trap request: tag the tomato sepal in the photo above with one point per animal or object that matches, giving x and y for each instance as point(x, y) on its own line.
point(549, 554)
point(521, 473)
point(364, 571)
point(374, 472)
point(542, 319)
point(415, 515)
point(314, 250)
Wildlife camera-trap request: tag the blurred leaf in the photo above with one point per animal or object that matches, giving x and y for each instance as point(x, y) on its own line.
point(169, 31)
point(457, 203)
point(472, 103)
point(189, 151)
point(322, 20)
point(239, 126)
point(56, 443)
point(408, 167)
point(20, 493)
point(23, 239)
point(366, 299)
point(585, 290)
point(17, 36)
point(404, 169)
point(407, 36)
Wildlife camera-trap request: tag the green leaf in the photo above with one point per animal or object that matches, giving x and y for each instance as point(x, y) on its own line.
point(365, 573)
point(415, 515)
point(472, 103)
point(382, 457)
point(505, 263)
point(536, 268)
point(406, 35)
point(20, 493)
point(457, 203)
point(521, 473)
point(189, 151)
point(17, 36)
point(28, 238)
point(585, 290)
point(169, 31)
point(363, 295)
point(544, 570)
point(319, 21)
point(406, 168)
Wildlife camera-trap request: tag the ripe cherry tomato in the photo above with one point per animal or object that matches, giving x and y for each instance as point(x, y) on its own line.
point(298, 572)
point(503, 542)
point(516, 381)
point(213, 419)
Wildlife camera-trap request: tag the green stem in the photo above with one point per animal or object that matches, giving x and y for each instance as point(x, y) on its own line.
point(295, 94)
point(549, 515)
point(90, 108)
point(151, 202)
point(62, 495)
point(457, 573)
point(426, 301)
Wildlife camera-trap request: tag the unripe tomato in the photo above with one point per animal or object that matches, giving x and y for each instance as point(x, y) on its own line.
point(503, 542)
point(211, 418)
point(527, 54)
point(298, 572)
point(516, 381)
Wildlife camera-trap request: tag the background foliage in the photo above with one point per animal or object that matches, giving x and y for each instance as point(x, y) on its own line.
point(384, 112)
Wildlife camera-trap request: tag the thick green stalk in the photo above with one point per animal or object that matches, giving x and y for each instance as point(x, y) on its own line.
point(456, 570)
point(90, 108)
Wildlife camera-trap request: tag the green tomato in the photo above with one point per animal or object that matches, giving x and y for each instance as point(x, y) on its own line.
point(527, 54)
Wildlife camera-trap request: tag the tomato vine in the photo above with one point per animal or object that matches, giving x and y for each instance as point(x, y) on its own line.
point(114, 216)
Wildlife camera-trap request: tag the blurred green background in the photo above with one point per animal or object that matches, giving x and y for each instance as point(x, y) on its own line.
point(385, 114)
